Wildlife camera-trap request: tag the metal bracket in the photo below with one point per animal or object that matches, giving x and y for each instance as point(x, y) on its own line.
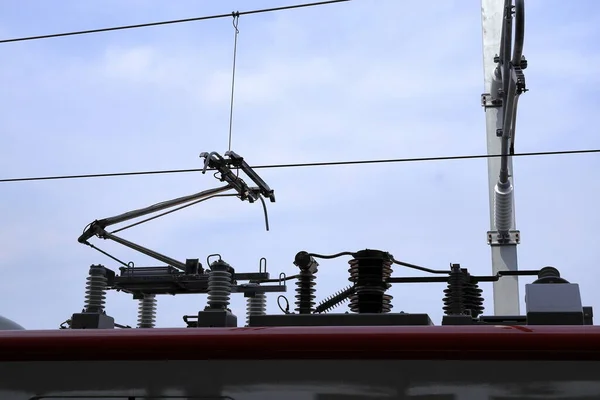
point(221, 164)
point(511, 238)
point(487, 101)
point(519, 78)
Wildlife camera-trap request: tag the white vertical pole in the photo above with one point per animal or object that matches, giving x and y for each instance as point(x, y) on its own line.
point(504, 256)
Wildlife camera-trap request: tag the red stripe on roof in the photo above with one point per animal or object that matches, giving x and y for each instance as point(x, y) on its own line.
point(433, 342)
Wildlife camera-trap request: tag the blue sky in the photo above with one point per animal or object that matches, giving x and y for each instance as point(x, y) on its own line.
point(359, 80)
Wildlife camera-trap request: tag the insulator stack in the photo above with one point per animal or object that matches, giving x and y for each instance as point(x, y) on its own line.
point(550, 275)
point(95, 291)
point(305, 282)
point(147, 311)
point(335, 300)
point(256, 305)
point(503, 207)
point(219, 285)
point(305, 292)
point(473, 301)
point(454, 293)
point(369, 270)
point(463, 295)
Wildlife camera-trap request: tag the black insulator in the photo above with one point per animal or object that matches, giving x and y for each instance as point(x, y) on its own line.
point(473, 299)
point(454, 298)
point(305, 292)
point(95, 290)
point(549, 275)
point(463, 295)
point(369, 271)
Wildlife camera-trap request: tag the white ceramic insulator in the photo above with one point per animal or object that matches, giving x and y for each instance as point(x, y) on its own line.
point(503, 207)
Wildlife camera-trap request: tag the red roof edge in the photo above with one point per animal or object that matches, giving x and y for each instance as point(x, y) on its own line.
point(434, 342)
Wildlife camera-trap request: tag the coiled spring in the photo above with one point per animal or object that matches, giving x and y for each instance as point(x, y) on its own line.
point(219, 285)
point(305, 292)
point(147, 311)
point(369, 270)
point(335, 300)
point(95, 290)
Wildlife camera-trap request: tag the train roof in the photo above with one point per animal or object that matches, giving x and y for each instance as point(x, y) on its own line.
point(357, 342)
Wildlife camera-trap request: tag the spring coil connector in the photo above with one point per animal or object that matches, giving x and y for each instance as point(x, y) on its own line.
point(95, 290)
point(335, 300)
point(219, 285)
point(255, 305)
point(369, 271)
point(147, 311)
point(462, 295)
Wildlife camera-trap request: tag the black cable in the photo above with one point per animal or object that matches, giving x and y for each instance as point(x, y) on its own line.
point(265, 212)
point(106, 254)
point(297, 165)
point(331, 256)
point(419, 268)
point(170, 22)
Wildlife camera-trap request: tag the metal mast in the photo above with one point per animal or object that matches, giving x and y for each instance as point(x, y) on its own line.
point(504, 82)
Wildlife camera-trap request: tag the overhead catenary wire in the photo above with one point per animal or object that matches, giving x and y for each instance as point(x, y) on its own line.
point(169, 22)
point(307, 164)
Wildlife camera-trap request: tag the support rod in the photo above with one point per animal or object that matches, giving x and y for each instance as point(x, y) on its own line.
point(99, 225)
point(497, 38)
point(141, 249)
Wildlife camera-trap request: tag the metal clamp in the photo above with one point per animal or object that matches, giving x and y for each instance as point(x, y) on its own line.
point(495, 238)
point(487, 101)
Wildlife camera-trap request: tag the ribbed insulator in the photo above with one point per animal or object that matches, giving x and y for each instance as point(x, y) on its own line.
point(219, 287)
point(256, 305)
point(369, 271)
point(147, 311)
point(95, 291)
point(454, 293)
point(472, 295)
point(549, 275)
point(503, 207)
point(463, 295)
point(305, 292)
point(473, 299)
point(372, 300)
